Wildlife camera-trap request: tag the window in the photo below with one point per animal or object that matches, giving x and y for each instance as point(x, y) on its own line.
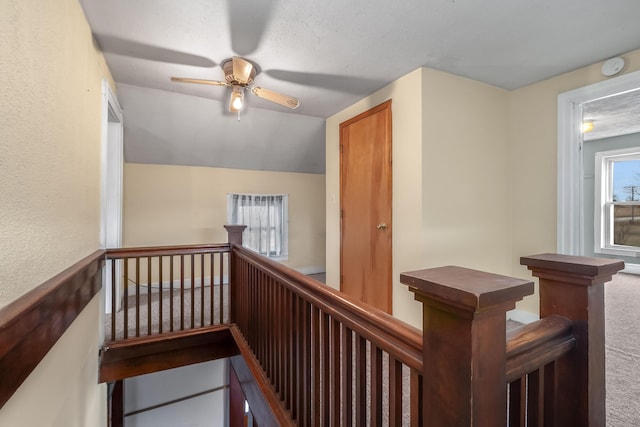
point(617, 202)
point(266, 218)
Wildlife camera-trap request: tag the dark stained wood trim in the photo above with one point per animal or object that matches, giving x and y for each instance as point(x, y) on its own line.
point(264, 403)
point(534, 345)
point(388, 333)
point(143, 355)
point(118, 253)
point(31, 325)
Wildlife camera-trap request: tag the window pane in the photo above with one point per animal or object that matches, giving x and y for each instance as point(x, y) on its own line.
point(626, 188)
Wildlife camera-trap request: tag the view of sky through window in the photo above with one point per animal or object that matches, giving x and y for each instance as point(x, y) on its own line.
point(626, 174)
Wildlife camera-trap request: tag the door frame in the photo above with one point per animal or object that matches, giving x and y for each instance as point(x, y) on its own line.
point(570, 218)
point(111, 176)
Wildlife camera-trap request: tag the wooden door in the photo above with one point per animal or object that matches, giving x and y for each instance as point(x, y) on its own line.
point(365, 207)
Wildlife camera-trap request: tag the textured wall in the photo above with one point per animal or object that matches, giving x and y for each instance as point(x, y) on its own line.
point(50, 113)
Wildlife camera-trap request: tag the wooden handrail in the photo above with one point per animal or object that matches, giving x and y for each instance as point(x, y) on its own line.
point(30, 325)
point(534, 345)
point(121, 253)
point(389, 333)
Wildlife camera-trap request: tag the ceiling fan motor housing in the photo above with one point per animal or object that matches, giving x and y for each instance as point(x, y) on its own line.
point(248, 69)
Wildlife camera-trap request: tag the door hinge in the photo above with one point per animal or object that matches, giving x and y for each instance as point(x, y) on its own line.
point(341, 213)
point(341, 147)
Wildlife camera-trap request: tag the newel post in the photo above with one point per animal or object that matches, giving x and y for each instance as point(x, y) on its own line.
point(234, 237)
point(573, 287)
point(464, 331)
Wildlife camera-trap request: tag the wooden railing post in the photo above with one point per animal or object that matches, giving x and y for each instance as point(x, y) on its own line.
point(234, 234)
point(234, 237)
point(464, 343)
point(573, 287)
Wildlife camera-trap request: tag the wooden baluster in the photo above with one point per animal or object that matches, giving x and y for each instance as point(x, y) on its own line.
point(326, 377)
point(361, 381)
point(202, 290)
point(395, 392)
point(573, 287)
point(335, 372)
point(294, 360)
point(126, 298)
point(171, 293)
point(315, 361)
point(415, 397)
point(220, 290)
point(286, 343)
point(137, 296)
point(160, 294)
point(212, 275)
point(549, 410)
point(375, 355)
point(347, 376)
point(464, 327)
point(181, 292)
point(114, 282)
point(149, 322)
point(306, 359)
point(535, 398)
point(517, 402)
point(193, 292)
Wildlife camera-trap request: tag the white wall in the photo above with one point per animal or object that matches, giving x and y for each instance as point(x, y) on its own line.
point(207, 410)
point(50, 193)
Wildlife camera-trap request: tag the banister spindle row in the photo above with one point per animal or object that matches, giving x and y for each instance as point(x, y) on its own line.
point(155, 290)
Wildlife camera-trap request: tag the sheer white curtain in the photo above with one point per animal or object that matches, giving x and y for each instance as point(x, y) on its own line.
point(266, 218)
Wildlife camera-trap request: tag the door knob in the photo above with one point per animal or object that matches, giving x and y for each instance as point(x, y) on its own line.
point(382, 226)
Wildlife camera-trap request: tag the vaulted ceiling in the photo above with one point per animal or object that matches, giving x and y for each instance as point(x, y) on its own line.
point(329, 54)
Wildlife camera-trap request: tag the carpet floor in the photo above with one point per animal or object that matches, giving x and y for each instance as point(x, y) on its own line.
point(622, 344)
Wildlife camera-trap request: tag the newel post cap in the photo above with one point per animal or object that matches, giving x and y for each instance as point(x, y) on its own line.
point(234, 233)
point(582, 270)
point(471, 290)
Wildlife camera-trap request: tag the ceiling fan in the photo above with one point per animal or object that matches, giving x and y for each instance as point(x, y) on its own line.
point(239, 74)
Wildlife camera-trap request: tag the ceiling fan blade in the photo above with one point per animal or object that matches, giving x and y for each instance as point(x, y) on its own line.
point(278, 98)
point(248, 20)
point(242, 69)
point(199, 81)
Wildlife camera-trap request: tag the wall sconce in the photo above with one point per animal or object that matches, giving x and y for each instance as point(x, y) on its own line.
point(587, 126)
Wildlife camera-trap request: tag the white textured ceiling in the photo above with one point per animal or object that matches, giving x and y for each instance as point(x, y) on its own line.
point(332, 53)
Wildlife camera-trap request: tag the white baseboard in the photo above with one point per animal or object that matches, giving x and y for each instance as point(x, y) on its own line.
point(522, 316)
point(631, 268)
point(311, 270)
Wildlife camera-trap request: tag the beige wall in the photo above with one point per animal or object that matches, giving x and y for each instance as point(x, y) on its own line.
point(532, 175)
point(50, 192)
point(449, 191)
point(171, 205)
point(464, 169)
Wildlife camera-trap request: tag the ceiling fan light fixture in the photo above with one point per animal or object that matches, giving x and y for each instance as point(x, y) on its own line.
point(237, 99)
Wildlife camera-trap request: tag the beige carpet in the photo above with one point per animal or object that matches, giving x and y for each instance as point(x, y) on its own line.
point(622, 329)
